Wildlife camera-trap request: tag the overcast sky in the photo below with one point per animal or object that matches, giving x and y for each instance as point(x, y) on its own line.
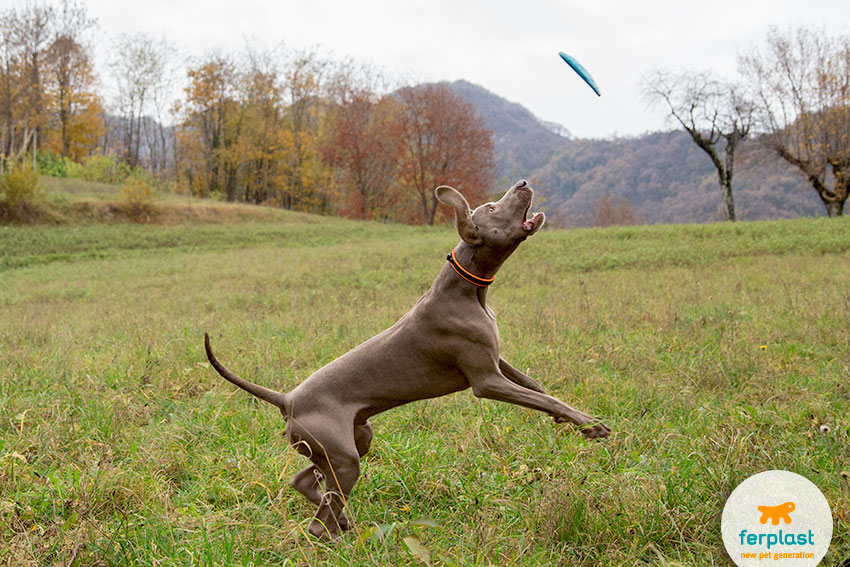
point(508, 47)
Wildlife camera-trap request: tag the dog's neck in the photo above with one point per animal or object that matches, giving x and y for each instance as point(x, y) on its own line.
point(452, 283)
point(473, 261)
point(466, 274)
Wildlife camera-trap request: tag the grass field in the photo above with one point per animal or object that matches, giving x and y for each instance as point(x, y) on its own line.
point(713, 352)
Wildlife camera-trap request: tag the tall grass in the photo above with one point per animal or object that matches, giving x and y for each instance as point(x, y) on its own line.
point(713, 352)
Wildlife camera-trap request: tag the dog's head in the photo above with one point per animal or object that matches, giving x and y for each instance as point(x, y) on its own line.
point(499, 226)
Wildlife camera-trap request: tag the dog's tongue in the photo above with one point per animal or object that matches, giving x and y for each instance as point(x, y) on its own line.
point(532, 223)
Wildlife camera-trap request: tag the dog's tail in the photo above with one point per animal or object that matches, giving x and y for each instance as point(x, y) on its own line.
point(275, 398)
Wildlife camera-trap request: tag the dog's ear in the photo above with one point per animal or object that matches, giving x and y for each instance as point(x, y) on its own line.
point(463, 215)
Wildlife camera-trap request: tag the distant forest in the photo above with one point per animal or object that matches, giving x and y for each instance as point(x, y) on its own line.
point(298, 130)
point(286, 128)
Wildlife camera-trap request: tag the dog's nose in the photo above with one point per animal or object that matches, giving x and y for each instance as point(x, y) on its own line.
point(521, 183)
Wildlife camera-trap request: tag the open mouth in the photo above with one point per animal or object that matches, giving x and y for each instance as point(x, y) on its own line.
point(525, 195)
point(533, 223)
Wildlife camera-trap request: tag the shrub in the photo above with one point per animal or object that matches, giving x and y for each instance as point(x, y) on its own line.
point(20, 193)
point(137, 200)
point(52, 164)
point(614, 211)
point(74, 170)
point(105, 168)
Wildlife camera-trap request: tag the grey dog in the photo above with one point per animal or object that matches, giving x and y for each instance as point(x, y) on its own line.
point(446, 343)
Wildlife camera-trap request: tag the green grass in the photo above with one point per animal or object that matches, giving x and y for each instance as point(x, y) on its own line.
point(713, 352)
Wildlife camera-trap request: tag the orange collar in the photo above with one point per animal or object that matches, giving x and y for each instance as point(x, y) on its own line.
point(468, 276)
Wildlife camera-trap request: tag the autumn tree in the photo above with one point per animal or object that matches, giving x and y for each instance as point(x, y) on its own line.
point(209, 100)
point(801, 84)
point(446, 143)
point(11, 84)
point(25, 36)
point(71, 84)
point(232, 136)
point(712, 112)
point(32, 31)
point(363, 140)
point(302, 82)
point(259, 133)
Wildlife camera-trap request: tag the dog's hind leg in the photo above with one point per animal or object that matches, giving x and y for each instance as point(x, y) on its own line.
point(310, 482)
point(340, 471)
point(334, 451)
point(307, 483)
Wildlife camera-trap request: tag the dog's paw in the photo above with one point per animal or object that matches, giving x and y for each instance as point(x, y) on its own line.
point(320, 530)
point(595, 431)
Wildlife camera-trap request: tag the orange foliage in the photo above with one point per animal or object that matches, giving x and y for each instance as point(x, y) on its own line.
point(446, 144)
point(76, 123)
point(237, 137)
point(363, 141)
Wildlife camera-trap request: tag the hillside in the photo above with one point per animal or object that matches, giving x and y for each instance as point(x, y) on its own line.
point(523, 142)
point(668, 179)
point(664, 175)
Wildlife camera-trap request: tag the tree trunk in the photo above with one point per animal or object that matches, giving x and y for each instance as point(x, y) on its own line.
point(724, 171)
point(834, 208)
point(724, 175)
point(364, 200)
point(728, 201)
point(832, 200)
point(164, 164)
point(63, 120)
point(423, 199)
point(433, 212)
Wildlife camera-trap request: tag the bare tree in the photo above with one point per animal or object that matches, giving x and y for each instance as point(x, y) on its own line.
point(801, 84)
point(137, 68)
point(614, 211)
point(163, 87)
point(713, 112)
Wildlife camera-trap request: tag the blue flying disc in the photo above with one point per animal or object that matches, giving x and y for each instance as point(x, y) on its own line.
point(582, 72)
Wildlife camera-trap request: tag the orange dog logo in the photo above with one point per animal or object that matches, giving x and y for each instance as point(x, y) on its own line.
point(776, 513)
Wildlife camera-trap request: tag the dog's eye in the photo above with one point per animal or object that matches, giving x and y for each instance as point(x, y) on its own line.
point(490, 208)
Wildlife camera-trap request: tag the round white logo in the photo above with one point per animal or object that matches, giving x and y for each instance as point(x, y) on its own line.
point(776, 518)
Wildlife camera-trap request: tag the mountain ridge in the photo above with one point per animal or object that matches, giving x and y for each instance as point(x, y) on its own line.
point(665, 176)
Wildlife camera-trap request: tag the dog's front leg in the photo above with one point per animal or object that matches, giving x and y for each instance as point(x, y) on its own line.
point(518, 377)
point(495, 386)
